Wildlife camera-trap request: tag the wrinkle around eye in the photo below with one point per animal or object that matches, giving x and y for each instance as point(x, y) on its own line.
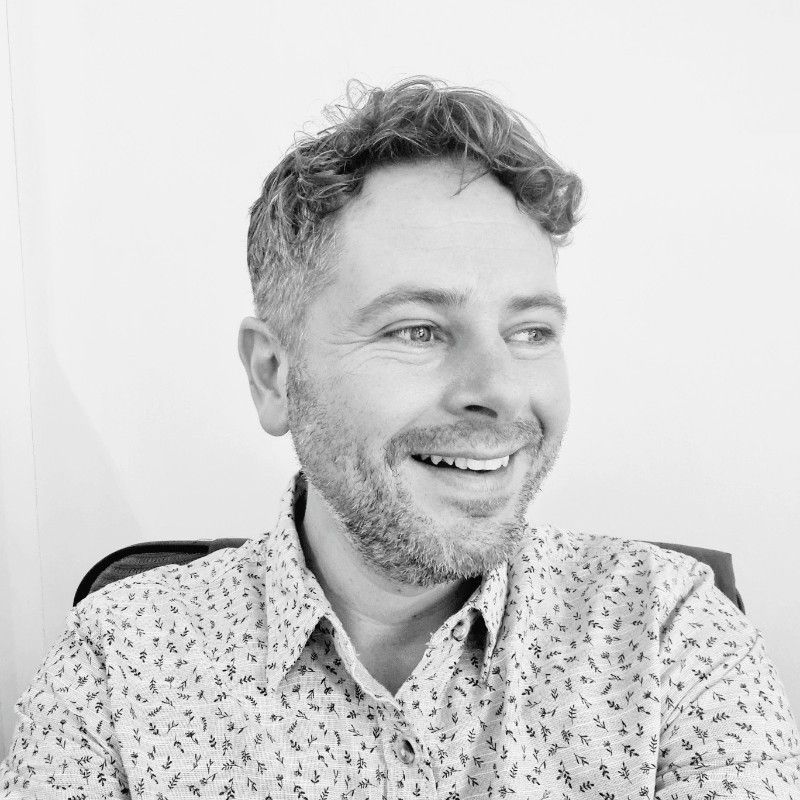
point(377, 355)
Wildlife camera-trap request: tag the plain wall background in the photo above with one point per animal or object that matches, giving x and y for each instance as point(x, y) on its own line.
point(140, 135)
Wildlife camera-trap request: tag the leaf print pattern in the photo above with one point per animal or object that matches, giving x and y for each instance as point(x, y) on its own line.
point(592, 667)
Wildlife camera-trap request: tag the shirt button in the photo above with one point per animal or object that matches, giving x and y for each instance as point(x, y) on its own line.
point(406, 752)
point(459, 630)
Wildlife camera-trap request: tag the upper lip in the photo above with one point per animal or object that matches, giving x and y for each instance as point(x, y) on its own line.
point(465, 454)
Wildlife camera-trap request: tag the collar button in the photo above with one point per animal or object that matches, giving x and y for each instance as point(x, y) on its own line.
point(459, 631)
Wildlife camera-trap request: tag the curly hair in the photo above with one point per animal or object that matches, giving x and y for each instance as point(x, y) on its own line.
point(291, 235)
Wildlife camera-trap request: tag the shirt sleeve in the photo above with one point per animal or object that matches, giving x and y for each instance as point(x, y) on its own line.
point(727, 730)
point(64, 743)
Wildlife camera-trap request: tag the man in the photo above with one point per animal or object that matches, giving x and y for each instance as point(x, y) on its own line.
point(401, 631)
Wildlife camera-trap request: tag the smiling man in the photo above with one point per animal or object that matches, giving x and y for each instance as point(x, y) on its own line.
point(427, 400)
point(401, 631)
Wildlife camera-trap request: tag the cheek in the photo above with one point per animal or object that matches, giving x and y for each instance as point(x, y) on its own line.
point(383, 403)
point(550, 396)
point(392, 401)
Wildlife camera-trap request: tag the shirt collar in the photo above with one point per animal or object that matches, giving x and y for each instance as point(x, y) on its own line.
point(490, 600)
point(295, 602)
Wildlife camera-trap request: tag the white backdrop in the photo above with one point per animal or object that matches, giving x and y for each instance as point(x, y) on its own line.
point(143, 132)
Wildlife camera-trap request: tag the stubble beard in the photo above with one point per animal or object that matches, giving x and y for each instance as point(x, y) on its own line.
point(378, 515)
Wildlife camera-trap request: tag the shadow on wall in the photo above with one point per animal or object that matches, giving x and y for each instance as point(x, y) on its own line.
point(82, 514)
point(82, 508)
point(19, 654)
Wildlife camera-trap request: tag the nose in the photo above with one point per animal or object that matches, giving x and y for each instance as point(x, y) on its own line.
point(485, 380)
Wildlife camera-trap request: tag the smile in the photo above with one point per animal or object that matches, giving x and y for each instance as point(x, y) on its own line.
point(473, 464)
point(459, 477)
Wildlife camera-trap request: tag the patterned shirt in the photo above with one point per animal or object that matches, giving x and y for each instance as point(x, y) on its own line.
point(586, 666)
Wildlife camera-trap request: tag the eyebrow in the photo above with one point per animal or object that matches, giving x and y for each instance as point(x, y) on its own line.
point(450, 298)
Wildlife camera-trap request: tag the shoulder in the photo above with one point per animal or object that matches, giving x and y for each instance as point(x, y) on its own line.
point(587, 566)
point(605, 555)
point(202, 584)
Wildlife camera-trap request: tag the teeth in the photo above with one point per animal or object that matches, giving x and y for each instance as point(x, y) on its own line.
point(468, 463)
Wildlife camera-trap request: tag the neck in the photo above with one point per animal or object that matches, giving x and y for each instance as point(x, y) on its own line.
point(374, 609)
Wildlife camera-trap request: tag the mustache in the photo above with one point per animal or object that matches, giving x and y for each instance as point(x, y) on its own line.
point(465, 435)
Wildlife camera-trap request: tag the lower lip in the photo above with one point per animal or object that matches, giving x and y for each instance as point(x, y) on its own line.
point(470, 481)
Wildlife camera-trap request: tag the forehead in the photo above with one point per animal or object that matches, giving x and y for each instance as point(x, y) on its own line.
point(410, 224)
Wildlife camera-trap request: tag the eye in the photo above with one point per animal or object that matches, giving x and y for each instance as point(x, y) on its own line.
point(414, 334)
point(537, 336)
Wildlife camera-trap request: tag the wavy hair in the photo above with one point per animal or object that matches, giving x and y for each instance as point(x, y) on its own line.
point(291, 234)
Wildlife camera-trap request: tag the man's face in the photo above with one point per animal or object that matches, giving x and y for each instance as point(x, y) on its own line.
point(431, 342)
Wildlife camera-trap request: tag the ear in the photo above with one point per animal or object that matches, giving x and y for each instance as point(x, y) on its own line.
point(265, 362)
